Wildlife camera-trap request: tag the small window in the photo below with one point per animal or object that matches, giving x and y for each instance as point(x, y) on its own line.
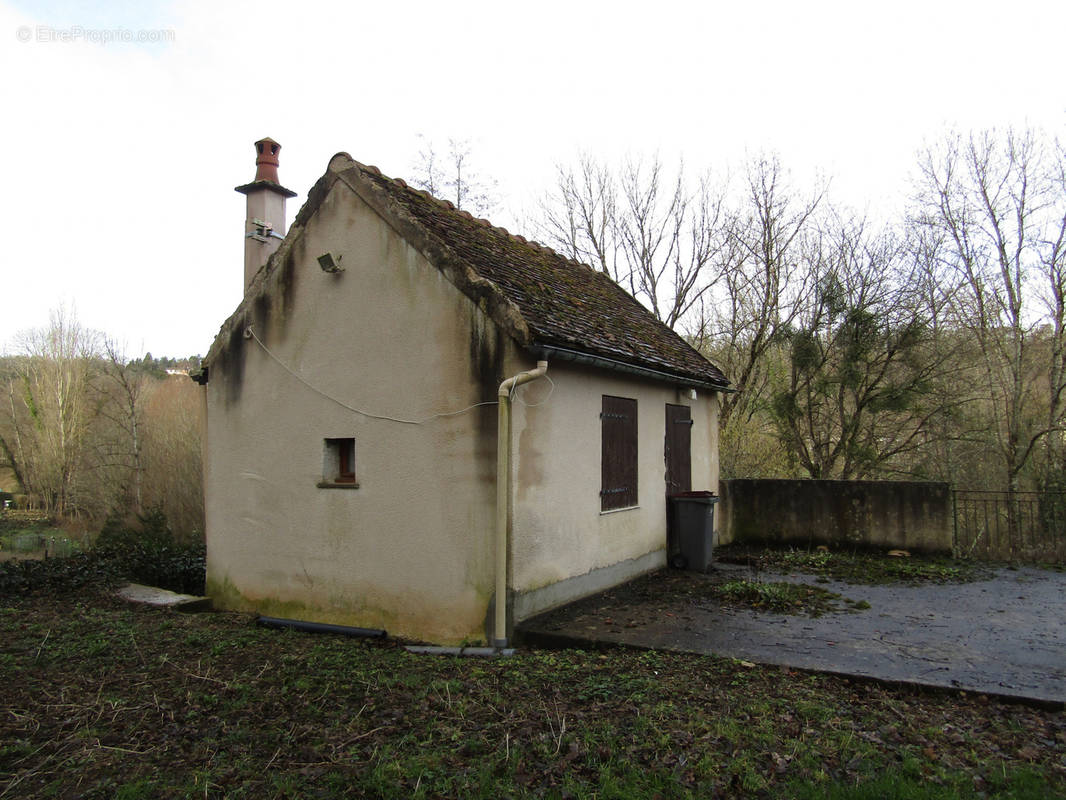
point(618, 471)
point(338, 464)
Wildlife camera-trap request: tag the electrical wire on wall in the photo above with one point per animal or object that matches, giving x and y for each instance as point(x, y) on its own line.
point(251, 334)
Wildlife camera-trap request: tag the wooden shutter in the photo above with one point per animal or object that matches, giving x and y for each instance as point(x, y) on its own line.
point(618, 423)
point(678, 449)
point(346, 454)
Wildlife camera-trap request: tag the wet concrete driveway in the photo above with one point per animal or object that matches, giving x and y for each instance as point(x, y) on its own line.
point(1004, 635)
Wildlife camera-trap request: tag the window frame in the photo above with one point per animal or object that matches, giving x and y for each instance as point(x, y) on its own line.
point(338, 463)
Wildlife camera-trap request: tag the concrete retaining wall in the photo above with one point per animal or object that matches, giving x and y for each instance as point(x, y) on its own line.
point(910, 515)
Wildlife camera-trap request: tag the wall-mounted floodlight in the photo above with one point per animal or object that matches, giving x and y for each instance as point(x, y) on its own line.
point(330, 263)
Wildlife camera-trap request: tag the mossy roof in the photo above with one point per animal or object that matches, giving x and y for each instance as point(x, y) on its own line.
point(542, 299)
point(564, 304)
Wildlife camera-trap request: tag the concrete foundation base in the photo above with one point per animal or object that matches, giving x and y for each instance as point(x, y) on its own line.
point(529, 604)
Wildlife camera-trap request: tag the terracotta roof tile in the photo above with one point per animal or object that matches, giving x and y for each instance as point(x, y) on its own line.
point(565, 304)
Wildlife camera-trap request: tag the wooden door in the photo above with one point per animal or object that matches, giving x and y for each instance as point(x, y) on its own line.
point(678, 449)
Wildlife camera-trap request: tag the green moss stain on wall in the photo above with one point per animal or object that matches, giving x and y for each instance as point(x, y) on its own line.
point(342, 609)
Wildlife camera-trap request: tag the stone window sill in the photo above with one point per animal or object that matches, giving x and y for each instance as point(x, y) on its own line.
point(616, 510)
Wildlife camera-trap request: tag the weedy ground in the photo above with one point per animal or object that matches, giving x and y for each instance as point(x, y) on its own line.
point(99, 699)
point(783, 598)
point(855, 567)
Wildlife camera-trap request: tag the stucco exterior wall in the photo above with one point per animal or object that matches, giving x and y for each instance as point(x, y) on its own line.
point(410, 549)
point(562, 546)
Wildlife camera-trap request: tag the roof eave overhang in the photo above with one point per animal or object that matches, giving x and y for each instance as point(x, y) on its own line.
point(548, 352)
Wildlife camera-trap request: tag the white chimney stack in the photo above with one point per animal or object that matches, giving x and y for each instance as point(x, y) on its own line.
point(264, 226)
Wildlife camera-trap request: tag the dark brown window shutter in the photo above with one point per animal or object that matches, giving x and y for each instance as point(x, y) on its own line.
point(618, 470)
point(678, 449)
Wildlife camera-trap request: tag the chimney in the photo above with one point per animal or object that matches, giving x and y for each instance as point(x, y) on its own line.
point(264, 224)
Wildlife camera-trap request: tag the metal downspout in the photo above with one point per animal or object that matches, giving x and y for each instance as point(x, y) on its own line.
point(503, 494)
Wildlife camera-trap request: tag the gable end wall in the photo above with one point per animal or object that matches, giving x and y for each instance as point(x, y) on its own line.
point(409, 550)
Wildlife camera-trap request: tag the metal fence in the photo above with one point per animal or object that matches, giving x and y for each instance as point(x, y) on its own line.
point(32, 542)
point(1010, 526)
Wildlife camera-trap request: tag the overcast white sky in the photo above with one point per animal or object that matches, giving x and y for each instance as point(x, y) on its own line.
point(119, 159)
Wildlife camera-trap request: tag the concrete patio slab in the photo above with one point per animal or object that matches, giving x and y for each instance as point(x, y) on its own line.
point(1003, 636)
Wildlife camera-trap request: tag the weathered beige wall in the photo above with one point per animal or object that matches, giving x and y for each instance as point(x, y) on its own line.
point(558, 531)
point(912, 515)
point(410, 550)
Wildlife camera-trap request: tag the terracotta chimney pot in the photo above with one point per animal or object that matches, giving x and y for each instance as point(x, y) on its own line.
point(266, 160)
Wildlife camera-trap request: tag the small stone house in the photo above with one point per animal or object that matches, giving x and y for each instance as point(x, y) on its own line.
point(413, 413)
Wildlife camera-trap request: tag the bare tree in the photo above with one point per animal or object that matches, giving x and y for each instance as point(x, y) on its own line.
point(579, 217)
point(173, 426)
point(999, 201)
point(121, 449)
point(11, 447)
point(649, 230)
point(453, 176)
point(764, 282)
point(48, 410)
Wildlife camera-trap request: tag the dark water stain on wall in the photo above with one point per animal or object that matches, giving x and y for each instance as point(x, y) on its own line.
point(287, 276)
point(487, 347)
point(230, 363)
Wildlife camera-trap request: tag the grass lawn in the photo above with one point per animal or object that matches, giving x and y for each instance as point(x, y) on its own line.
point(99, 699)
